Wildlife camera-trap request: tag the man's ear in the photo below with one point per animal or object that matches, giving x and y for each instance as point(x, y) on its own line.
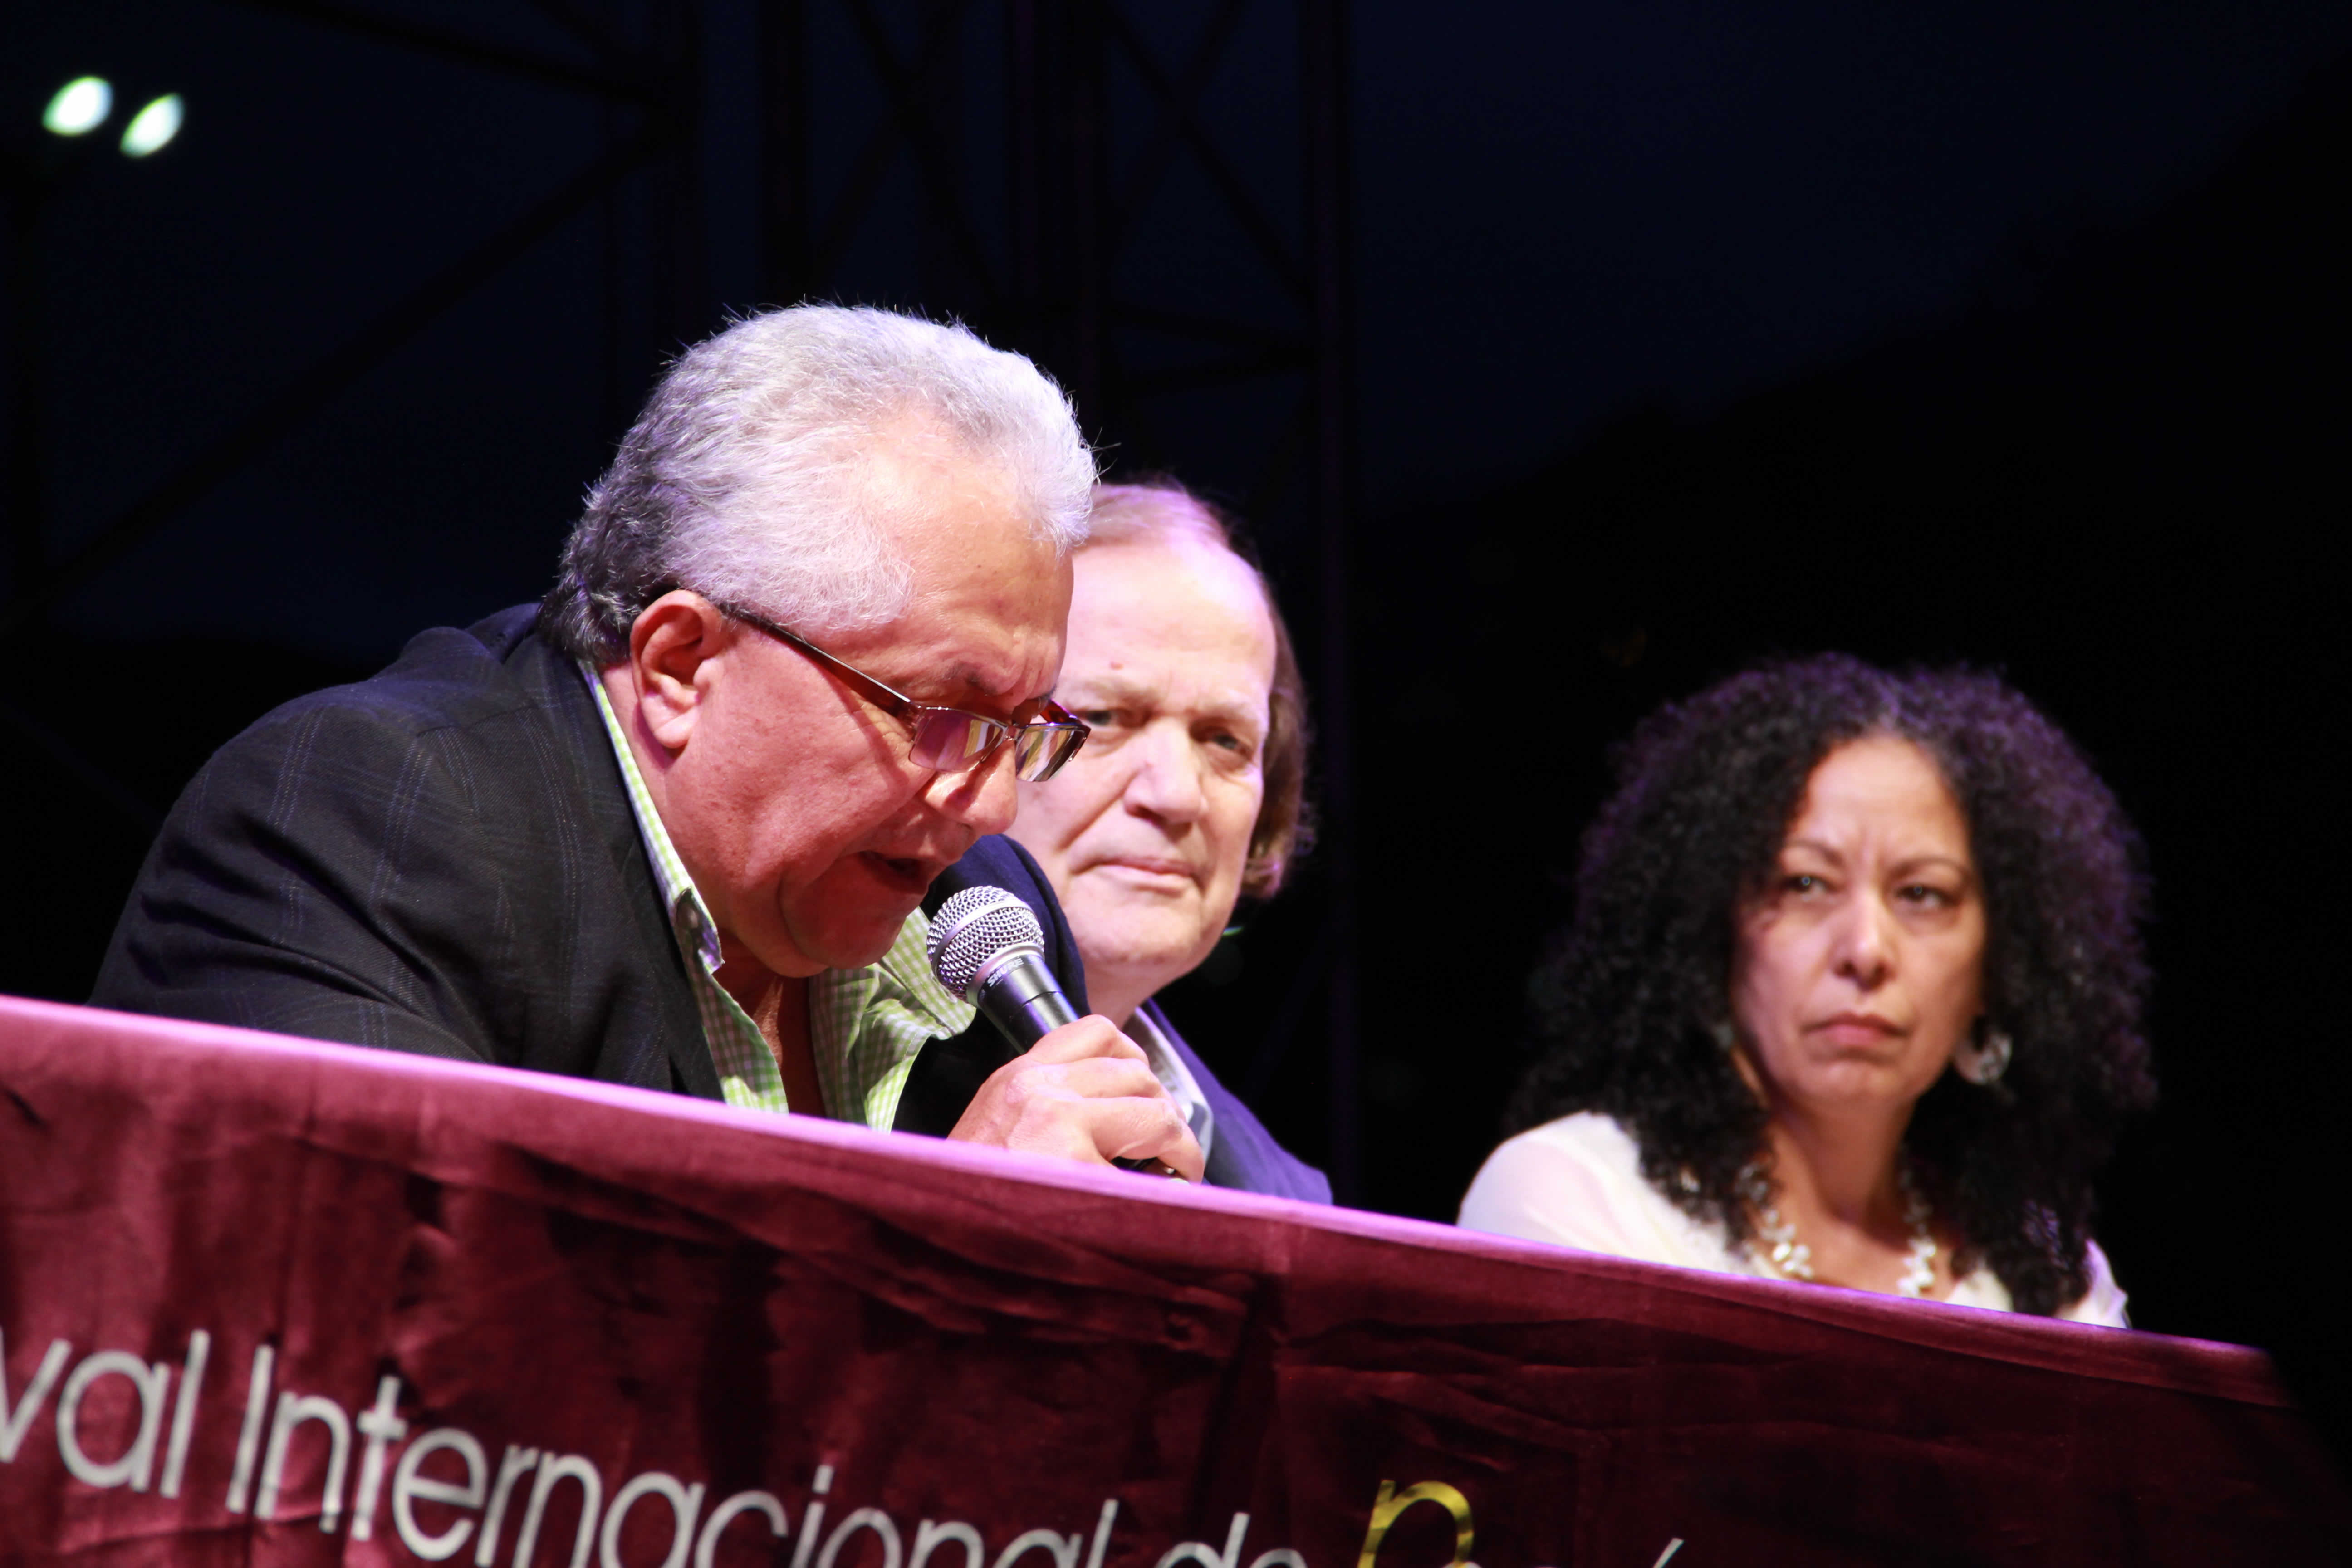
point(673, 639)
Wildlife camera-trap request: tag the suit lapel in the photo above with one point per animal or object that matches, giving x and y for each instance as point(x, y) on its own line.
point(677, 1057)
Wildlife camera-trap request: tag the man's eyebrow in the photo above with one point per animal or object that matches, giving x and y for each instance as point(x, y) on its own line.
point(1117, 688)
point(981, 689)
point(1237, 711)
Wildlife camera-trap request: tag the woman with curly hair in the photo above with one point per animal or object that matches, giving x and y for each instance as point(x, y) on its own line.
point(1852, 994)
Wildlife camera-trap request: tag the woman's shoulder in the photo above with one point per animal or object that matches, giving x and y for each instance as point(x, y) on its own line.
point(2102, 1302)
point(1587, 1155)
point(1577, 1182)
point(1589, 1137)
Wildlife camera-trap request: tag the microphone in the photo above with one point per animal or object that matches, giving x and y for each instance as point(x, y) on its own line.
point(987, 948)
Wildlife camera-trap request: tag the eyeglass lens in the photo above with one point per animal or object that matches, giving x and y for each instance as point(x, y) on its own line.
point(952, 742)
point(1040, 752)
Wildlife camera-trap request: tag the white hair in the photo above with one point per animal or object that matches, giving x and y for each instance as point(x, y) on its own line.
point(748, 476)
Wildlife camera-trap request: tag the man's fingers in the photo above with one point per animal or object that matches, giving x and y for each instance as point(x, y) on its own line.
point(1138, 1129)
point(1167, 1141)
point(1105, 1077)
point(1084, 1092)
point(1093, 1035)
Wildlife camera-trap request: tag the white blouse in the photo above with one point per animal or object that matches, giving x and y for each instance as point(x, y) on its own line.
point(1578, 1182)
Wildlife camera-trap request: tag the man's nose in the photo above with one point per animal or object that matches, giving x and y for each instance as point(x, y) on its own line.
point(984, 796)
point(1166, 783)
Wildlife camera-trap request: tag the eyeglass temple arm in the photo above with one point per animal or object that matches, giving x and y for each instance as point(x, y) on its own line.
point(897, 703)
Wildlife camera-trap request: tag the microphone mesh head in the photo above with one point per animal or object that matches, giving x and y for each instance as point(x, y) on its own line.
point(976, 926)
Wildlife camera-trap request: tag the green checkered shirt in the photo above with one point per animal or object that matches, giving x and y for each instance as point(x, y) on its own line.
point(865, 1026)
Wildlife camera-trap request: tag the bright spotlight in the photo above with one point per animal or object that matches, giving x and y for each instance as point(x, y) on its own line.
point(82, 104)
point(153, 127)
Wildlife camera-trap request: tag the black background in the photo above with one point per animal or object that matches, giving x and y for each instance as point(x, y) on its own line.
point(2003, 333)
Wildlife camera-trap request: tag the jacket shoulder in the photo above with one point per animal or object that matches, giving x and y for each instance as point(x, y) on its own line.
point(439, 859)
point(445, 677)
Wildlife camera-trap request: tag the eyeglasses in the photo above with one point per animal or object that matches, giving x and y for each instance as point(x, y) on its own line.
point(947, 739)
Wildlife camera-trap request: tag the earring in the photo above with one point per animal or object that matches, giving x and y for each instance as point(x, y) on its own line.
point(1983, 1058)
point(1720, 1031)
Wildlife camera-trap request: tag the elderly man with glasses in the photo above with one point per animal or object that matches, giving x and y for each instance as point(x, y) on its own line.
point(674, 826)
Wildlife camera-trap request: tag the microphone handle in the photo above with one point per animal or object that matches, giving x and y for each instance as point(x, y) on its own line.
point(1025, 1001)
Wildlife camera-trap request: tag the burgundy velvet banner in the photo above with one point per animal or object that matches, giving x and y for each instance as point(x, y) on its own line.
point(265, 1300)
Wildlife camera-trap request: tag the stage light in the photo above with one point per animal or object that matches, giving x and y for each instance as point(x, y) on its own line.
point(82, 104)
point(152, 127)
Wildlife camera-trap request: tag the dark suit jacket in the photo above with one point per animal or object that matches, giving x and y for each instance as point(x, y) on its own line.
point(440, 860)
point(443, 860)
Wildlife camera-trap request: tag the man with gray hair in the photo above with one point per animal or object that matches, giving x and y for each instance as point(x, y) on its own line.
point(673, 826)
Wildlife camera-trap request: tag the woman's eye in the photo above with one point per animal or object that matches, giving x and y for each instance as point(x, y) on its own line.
point(1802, 882)
point(1922, 894)
point(1097, 718)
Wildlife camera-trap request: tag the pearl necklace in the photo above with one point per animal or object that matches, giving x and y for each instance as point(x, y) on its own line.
point(1792, 1259)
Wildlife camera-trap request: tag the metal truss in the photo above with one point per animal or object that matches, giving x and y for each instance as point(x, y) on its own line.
point(656, 87)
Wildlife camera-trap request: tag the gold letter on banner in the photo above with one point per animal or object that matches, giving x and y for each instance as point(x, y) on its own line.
point(1391, 1503)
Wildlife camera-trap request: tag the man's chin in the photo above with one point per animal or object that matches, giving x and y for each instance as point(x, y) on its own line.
point(856, 925)
point(1142, 935)
point(1172, 909)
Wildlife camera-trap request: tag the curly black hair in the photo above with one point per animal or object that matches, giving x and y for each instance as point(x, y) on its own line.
point(1625, 1005)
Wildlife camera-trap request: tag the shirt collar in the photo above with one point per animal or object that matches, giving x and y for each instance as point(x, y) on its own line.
point(1169, 1068)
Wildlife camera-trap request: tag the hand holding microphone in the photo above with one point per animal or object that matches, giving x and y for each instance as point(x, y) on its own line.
point(1080, 1089)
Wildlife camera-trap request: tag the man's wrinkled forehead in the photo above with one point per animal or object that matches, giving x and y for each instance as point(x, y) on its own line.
point(987, 605)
